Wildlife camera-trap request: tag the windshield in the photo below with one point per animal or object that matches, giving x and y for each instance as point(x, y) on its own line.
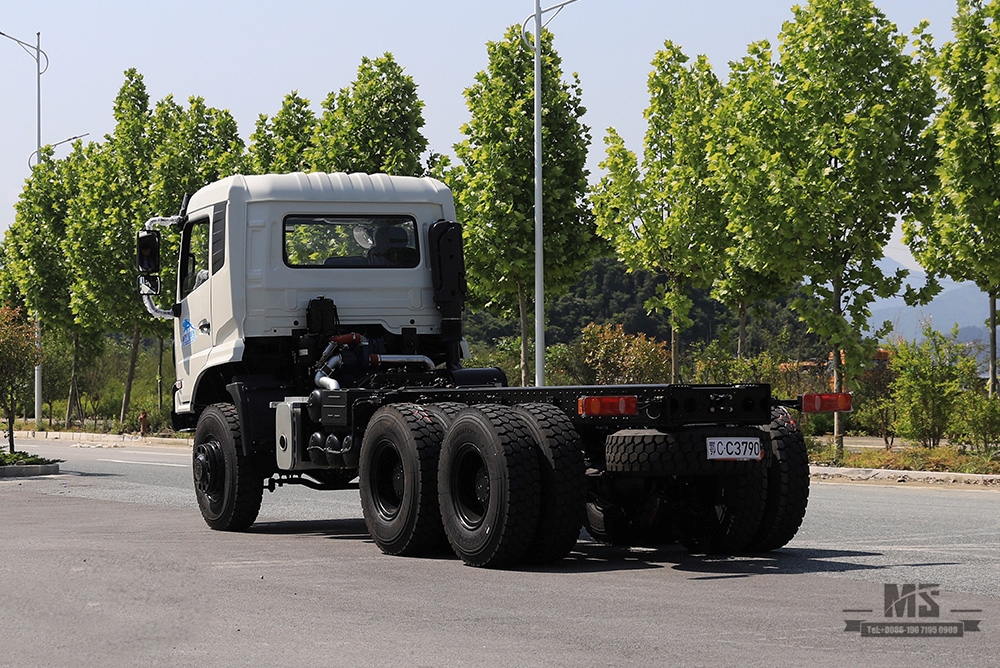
point(351, 241)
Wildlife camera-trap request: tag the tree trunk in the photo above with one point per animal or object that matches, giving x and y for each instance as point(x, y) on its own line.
point(159, 378)
point(522, 305)
point(9, 409)
point(838, 386)
point(675, 348)
point(742, 335)
point(993, 343)
point(74, 397)
point(131, 373)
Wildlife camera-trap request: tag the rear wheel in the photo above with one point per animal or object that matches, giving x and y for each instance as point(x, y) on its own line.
point(397, 478)
point(228, 483)
point(719, 514)
point(488, 485)
point(444, 412)
point(564, 488)
point(644, 522)
point(787, 484)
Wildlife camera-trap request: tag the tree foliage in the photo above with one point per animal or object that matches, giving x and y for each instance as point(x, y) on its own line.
point(112, 202)
point(18, 356)
point(957, 230)
point(816, 187)
point(494, 185)
point(931, 375)
point(744, 170)
point(278, 145)
point(665, 216)
point(373, 125)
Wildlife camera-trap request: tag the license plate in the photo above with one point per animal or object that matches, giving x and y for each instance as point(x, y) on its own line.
point(734, 448)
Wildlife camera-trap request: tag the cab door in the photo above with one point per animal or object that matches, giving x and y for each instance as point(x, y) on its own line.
point(193, 328)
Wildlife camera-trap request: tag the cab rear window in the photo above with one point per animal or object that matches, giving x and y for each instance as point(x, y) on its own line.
point(351, 241)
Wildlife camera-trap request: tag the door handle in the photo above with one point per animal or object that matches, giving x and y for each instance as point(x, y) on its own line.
point(205, 327)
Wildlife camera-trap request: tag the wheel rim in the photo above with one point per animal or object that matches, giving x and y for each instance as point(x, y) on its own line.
point(470, 486)
point(387, 492)
point(209, 468)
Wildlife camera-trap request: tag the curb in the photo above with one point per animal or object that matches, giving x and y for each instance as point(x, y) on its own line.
point(80, 437)
point(25, 470)
point(893, 475)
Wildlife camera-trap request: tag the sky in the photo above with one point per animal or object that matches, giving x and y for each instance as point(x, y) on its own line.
point(246, 56)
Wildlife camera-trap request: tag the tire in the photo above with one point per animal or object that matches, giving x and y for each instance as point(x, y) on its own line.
point(229, 484)
point(682, 452)
point(719, 514)
point(564, 486)
point(787, 484)
point(646, 526)
point(444, 412)
point(489, 487)
point(397, 477)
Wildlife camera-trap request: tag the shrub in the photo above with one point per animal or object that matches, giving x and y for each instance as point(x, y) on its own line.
point(617, 358)
point(976, 420)
point(931, 375)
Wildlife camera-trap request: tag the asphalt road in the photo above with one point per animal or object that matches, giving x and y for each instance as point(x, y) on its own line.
point(110, 564)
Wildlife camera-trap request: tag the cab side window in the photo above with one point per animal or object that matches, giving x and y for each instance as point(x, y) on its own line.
point(195, 253)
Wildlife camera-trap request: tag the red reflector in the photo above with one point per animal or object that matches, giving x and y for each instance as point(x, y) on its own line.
point(626, 405)
point(826, 403)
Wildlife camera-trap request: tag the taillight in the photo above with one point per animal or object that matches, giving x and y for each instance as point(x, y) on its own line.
point(834, 402)
point(608, 406)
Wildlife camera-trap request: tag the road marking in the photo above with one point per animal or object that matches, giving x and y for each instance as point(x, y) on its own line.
point(126, 461)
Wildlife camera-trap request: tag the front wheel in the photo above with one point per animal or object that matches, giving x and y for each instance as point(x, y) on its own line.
point(227, 482)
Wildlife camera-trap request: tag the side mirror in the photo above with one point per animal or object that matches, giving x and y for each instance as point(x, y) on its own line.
point(148, 285)
point(147, 253)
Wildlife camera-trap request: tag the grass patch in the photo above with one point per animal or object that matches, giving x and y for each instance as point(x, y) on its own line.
point(18, 457)
point(949, 459)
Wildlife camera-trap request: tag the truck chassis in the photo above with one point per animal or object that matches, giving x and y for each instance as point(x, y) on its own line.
point(284, 386)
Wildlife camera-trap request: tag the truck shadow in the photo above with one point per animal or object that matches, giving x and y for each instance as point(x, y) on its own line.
point(595, 557)
point(589, 556)
point(343, 529)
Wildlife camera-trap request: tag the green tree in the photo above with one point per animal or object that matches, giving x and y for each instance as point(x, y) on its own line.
point(875, 408)
point(815, 188)
point(666, 217)
point(957, 231)
point(494, 184)
point(18, 356)
point(113, 201)
point(191, 148)
point(617, 358)
point(278, 145)
point(930, 378)
point(373, 125)
point(41, 267)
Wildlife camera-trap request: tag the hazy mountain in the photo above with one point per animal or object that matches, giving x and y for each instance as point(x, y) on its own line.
point(957, 303)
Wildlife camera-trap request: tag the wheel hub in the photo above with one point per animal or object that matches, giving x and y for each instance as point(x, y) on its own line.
point(482, 486)
point(389, 480)
point(209, 467)
point(471, 486)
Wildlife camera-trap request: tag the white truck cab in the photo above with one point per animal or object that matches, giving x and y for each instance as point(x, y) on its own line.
point(255, 250)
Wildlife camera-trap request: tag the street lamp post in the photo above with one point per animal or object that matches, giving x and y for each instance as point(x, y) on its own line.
point(38, 156)
point(539, 236)
point(39, 71)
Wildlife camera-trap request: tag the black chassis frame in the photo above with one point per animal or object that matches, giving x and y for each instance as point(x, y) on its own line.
point(347, 412)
